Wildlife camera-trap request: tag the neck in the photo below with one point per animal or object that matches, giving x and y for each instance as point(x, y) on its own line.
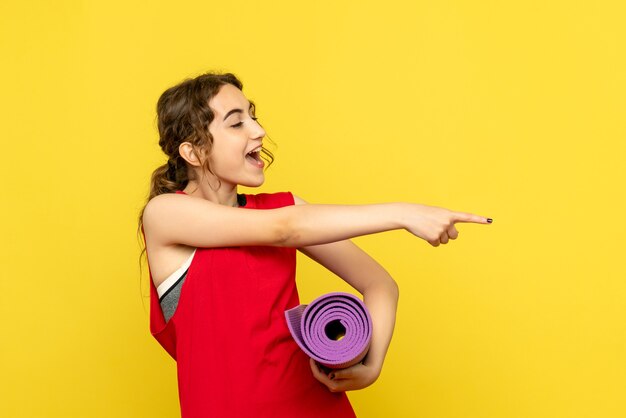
point(225, 195)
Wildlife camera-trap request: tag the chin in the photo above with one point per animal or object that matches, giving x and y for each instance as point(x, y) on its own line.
point(256, 183)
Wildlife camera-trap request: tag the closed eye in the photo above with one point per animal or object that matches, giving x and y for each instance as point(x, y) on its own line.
point(238, 125)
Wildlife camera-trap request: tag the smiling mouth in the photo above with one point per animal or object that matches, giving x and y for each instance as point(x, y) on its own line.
point(254, 157)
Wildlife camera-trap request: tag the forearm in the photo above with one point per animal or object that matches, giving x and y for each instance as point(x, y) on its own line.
point(305, 225)
point(381, 300)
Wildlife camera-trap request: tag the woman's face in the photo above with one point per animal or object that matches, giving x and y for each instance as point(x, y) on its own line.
point(237, 139)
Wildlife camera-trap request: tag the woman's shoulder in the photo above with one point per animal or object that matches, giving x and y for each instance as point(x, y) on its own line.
point(165, 199)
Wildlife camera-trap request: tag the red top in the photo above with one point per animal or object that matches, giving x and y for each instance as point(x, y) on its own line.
point(234, 354)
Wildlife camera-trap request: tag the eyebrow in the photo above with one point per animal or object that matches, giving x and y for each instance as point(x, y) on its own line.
point(230, 112)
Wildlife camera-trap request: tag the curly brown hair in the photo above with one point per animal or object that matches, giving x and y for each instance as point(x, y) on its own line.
point(184, 115)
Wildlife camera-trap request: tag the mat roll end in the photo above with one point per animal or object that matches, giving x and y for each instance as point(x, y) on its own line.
point(335, 329)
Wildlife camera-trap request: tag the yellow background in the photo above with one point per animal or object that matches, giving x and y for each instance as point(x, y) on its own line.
point(512, 110)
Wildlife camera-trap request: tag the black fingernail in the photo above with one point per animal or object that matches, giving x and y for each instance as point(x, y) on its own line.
point(489, 220)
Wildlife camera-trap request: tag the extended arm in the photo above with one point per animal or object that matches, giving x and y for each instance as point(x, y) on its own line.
point(179, 219)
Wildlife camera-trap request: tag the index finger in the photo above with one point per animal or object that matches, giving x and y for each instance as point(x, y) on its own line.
point(470, 217)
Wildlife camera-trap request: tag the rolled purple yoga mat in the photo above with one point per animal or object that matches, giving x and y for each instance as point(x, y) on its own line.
point(335, 329)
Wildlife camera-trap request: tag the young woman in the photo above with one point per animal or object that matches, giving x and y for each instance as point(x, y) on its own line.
point(222, 264)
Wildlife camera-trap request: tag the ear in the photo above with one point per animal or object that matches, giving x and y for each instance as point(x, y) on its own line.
point(189, 154)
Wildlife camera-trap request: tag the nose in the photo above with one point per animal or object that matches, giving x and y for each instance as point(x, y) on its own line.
point(257, 131)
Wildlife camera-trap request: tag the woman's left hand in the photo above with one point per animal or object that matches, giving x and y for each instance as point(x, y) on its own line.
point(354, 377)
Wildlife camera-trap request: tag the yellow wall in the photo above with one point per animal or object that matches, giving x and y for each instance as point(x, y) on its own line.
point(513, 110)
